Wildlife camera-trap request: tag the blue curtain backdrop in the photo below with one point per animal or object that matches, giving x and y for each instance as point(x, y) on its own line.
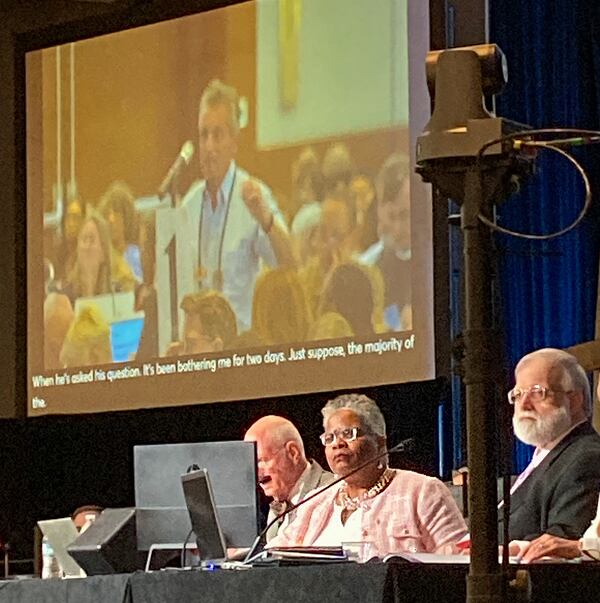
point(549, 288)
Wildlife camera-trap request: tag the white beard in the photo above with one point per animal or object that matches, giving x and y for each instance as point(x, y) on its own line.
point(538, 431)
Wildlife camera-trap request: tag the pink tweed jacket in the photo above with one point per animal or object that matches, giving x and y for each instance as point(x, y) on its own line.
point(415, 513)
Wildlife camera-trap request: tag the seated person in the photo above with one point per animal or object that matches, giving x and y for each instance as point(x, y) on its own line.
point(395, 510)
point(284, 472)
point(58, 316)
point(548, 545)
point(554, 498)
point(209, 324)
point(88, 340)
point(348, 290)
point(280, 312)
point(117, 207)
point(553, 544)
point(85, 515)
point(329, 325)
point(98, 268)
point(557, 493)
point(392, 252)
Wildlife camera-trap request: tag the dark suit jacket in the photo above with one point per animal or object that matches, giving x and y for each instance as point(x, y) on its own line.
point(560, 496)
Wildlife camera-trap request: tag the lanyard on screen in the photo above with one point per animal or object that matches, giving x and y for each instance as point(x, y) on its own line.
point(218, 273)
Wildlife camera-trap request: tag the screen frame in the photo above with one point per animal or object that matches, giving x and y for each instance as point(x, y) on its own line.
point(24, 28)
point(32, 32)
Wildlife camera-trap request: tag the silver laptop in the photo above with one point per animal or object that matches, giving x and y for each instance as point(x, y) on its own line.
point(61, 533)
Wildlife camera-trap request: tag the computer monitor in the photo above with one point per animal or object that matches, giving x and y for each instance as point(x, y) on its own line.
point(200, 501)
point(108, 546)
point(161, 512)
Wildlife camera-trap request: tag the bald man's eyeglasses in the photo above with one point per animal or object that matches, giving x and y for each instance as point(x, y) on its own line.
point(273, 456)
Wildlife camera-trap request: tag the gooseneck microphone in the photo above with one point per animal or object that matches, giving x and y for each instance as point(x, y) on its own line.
point(183, 159)
point(402, 446)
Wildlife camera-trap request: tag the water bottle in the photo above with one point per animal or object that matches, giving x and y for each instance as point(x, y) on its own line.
point(50, 566)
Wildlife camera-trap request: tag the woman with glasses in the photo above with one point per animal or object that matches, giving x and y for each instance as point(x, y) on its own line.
point(392, 509)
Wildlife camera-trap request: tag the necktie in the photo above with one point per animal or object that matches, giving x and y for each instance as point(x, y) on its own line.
point(278, 507)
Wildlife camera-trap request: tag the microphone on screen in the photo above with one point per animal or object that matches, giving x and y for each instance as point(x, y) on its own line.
point(403, 446)
point(182, 160)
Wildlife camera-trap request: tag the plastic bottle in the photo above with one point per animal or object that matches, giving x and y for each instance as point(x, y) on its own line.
point(50, 566)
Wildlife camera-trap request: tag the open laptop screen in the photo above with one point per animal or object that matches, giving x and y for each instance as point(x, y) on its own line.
point(61, 533)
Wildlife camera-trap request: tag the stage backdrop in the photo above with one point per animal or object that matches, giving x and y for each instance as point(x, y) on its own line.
point(549, 289)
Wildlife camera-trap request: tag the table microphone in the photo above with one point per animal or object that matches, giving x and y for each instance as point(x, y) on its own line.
point(403, 446)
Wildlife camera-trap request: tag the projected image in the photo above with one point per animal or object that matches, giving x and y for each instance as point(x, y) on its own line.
point(228, 209)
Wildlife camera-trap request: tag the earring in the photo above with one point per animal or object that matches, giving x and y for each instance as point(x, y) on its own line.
point(380, 465)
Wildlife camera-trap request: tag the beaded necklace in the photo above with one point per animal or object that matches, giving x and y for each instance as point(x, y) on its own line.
point(351, 503)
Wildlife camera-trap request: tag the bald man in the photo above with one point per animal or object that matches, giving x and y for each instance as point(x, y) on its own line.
point(284, 472)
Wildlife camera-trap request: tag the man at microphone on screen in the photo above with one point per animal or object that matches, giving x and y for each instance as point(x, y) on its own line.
point(391, 509)
point(233, 222)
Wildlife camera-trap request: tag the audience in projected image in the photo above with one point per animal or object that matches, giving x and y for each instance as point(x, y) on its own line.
point(66, 249)
point(58, 316)
point(284, 473)
point(98, 268)
point(305, 233)
point(280, 312)
point(145, 293)
point(330, 325)
point(338, 170)
point(362, 199)
point(392, 252)
point(334, 244)
point(209, 324)
point(118, 209)
point(233, 223)
point(393, 509)
point(345, 269)
point(349, 292)
point(88, 339)
point(307, 179)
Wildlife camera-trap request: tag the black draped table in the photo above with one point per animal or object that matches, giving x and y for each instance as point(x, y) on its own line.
point(373, 582)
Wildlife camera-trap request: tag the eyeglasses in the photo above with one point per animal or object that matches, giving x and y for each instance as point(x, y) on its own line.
point(537, 393)
point(348, 434)
point(273, 456)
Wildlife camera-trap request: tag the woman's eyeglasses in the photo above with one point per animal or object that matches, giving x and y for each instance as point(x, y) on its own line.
point(348, 434)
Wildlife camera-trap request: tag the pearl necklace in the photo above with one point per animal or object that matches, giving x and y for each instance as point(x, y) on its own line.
point(351, 503)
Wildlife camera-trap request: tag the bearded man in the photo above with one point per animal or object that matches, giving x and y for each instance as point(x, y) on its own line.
point(557, 494)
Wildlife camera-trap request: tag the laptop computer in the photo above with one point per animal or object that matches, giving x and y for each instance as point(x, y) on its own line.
point(125, 323)
point(200, 503)
point(61, 533)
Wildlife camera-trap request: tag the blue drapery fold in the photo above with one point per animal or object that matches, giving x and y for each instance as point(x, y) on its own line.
point(549, 288)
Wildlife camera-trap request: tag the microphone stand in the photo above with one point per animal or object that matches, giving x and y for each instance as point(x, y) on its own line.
point(399, 447)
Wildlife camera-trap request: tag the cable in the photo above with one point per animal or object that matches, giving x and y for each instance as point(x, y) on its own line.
point(184, 548)
point(582, 137)
point(562, 231)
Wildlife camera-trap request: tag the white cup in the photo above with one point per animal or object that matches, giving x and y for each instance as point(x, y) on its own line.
point(359, 551)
